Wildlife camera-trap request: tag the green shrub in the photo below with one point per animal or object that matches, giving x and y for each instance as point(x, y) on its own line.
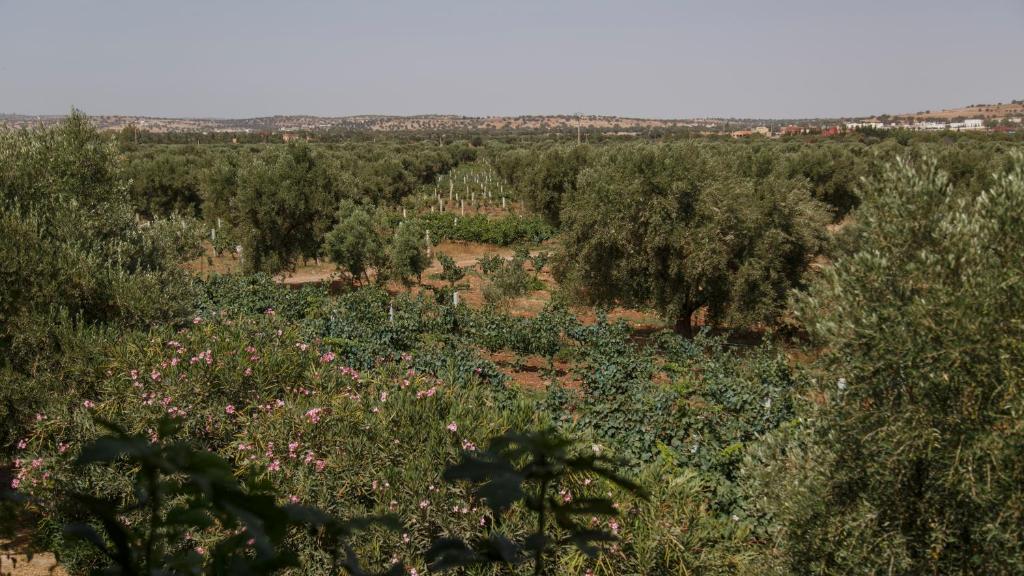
point(912, 459)
point(501, 231)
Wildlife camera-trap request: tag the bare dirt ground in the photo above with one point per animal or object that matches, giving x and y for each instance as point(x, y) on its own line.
point(15, 562)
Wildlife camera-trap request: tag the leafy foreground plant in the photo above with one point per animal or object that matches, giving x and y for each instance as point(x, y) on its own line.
point(530, 468)
point(181, 492)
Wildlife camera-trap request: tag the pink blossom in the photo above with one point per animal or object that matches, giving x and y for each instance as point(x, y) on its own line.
point(424, 504)
point(62, 447)
point(313, 414)
point(248, 372)
point(453, 427)
point(230, 409)
point(327, 357)
point(22, 444)
point(320, 465)
point(197, 320)
point(88, 404)
point(274, 466)
point(175, 361)
point(293, 499)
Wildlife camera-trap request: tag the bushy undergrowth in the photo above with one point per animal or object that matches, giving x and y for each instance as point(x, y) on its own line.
point(501, 231)
point(355, 405)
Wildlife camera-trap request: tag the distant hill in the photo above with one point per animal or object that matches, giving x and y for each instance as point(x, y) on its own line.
point(441, 123)
point(363, 123)
point(982, 111)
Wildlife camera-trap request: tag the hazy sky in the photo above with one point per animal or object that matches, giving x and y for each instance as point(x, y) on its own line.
point(748, 58)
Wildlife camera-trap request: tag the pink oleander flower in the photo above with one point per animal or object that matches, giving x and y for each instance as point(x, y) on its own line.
point(197, 320)
point(327, 357)
point(230, 409)
point(453, 427)
point(274, 466)
point(22, 444)
point(89, 404)
point(424, 504)
point(248, 372)
point(293, 499)
point(313, 415)
point(320, 465)
point(427, 393)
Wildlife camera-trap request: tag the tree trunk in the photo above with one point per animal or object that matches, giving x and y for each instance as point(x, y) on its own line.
point(684, 324)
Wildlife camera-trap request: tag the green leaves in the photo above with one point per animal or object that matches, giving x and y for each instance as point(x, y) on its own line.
point(678, 228)
point(181, 494)
point(527, 469)
point(908, 449)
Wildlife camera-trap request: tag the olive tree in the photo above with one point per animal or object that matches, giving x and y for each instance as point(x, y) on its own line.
point(670, 227)
point(354, 243)
point(408, 254)
point(283, 208)
point(912, 459)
